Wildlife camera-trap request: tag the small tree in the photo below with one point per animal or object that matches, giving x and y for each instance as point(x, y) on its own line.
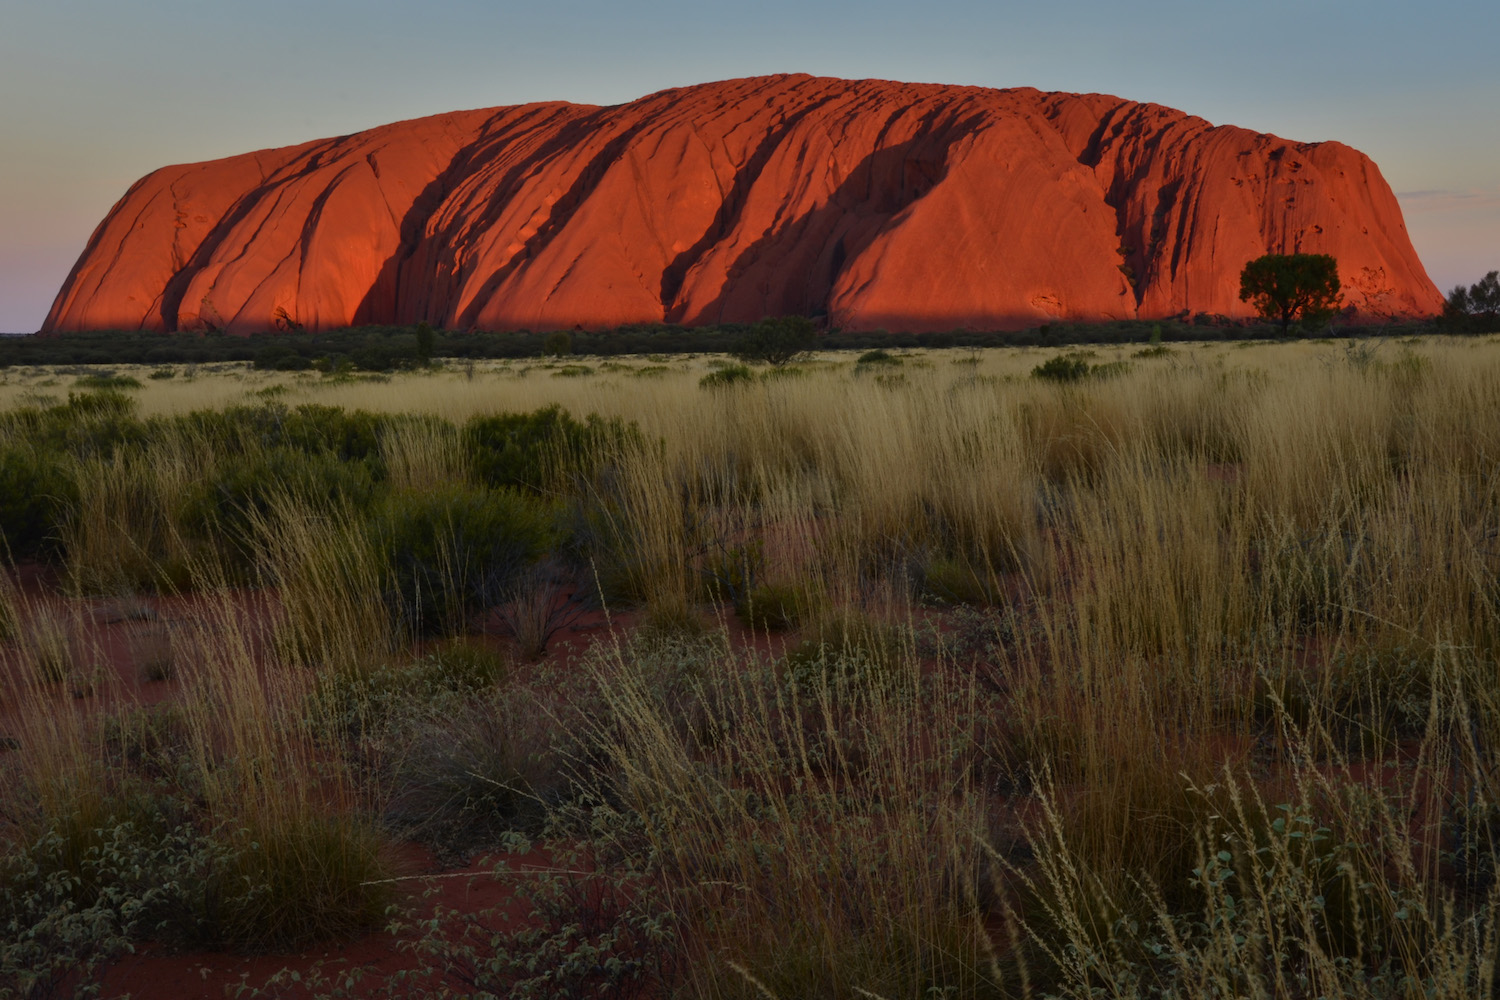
point(1300, 286)
point(558, 344)
point(777, 341)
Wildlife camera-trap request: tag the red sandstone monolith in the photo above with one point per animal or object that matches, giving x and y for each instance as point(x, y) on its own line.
point(880, 205)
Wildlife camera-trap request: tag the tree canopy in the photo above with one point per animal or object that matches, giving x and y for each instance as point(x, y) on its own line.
point(1476, 307)
point(778, 340)
point(1300, 286)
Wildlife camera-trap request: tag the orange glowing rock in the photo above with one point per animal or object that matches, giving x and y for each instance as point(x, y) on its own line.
point(880, 205)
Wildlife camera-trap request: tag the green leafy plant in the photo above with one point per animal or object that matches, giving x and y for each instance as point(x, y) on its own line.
point(776, 607)
point(1063, 368)
point(538, 451)
point(454, 552)
point(114, 382)
point(877, 358)
point(36, 488)
point(729, 375)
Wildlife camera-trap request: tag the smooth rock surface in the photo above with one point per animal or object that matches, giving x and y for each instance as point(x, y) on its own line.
point(880, 205)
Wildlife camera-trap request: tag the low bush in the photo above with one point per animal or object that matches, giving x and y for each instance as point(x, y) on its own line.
point(104, 381)
point(729, 375)
point(846, 652)
point(36, 488)
point(357, 702)
point(453, 552)
point(1074, 367)
point(776, 607)
point(240, 492)
point(137, 866)
point(536, 451)
point(954, 581)
point(54, 943)
point(290, 880)
point(477, 770)
point(1063, 368)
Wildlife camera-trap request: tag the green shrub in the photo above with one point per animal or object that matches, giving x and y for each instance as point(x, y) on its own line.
point(730, 375)
point(107, 382)
point(1109, 369)
point(89, 424)
point(776, 607)
point(36, 489)
point(349, 436)
point(51, 939)
point(954, 581)
point(878, 357)
point(454, 552)
point(1063, 368)
point(535, 451)
point(357, 702)
point(1075, 366)
point(163, 373)
point(240, 491)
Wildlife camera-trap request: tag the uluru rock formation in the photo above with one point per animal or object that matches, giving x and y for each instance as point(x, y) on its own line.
point(878, 204)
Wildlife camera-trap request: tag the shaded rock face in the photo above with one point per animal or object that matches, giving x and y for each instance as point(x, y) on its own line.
point(880, 205)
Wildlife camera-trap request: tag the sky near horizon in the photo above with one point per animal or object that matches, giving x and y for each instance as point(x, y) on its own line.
point(96, 93)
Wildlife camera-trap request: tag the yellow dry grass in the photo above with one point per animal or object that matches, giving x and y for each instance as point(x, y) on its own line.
point(1245, 618)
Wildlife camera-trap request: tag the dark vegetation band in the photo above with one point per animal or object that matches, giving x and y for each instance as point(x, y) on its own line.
point(385, 348)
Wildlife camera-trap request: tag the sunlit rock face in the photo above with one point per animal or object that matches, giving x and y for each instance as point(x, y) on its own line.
point(879, 205)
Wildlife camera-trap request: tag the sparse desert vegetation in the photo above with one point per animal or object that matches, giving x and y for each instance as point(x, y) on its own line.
point(1161, 673)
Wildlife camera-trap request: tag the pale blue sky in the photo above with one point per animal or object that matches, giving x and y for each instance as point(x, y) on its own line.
point(95, 93)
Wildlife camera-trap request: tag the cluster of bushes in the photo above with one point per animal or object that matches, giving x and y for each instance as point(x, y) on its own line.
point(323, 458)
point(1075, 366)
point(387, 348)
